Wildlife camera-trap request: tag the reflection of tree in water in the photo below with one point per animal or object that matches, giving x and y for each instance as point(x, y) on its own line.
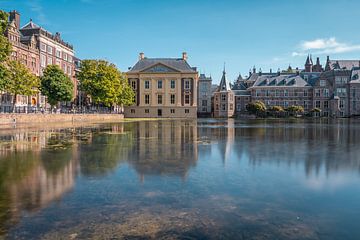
point(107, 149)
point(164, 148)
point(33, 173)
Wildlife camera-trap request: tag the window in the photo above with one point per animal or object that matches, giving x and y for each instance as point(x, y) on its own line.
point(58, 53)
point(326, 92)
point(172, 110)
point(65, 56)
point(187, 84)
point(43, 60)
point(322, 83)
point(204, 103)
point(317, 104)
point(132, 110)
point(49, 50)
point(341, 80)
point(223, 97)
point(159, 99)
point(172, 99)
point(147, 99)
point(217, 107)
point(326, 104)
point(43, 47)
point(317, 92)
point(231, 106)
point(58, 62)
point(286, 93)
point(70, 59)
point(172, 84)
point(146, 110)
point(187, 111)
point(50, 61)
point(147, 84)
point(133, 85)
point(64, 68)
point(69, 70)
point(187, 99)
point(223, 107)
point(305, 93)
point(342, 104)
point(160, 84)
point(341, 92)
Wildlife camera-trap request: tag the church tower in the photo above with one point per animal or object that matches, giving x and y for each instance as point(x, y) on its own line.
point(308, 64)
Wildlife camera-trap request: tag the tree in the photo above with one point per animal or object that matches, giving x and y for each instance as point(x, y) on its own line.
point(295, 109)
point(5, 46)
point(104, 83)
point(56, 85)
point(20, 81)
point(258, 108)
point(276, 110)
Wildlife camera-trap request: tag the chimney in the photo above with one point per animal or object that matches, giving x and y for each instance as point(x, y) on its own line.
point(184, 56)
point(141, 56)
point(14, 15)
point(278, 72)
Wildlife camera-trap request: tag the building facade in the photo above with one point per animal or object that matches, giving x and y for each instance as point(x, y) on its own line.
point(164, 88)
point(204, 95)
point(224, 100)
point(36, 48)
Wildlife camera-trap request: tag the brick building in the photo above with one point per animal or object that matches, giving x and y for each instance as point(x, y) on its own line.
point(36, 48)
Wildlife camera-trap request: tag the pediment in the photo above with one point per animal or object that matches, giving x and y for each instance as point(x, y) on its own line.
point(159, 68)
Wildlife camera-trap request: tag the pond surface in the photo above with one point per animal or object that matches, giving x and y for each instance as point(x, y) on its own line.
point(204, 179)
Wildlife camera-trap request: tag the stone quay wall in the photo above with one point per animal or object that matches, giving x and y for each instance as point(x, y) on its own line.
point(38, 118)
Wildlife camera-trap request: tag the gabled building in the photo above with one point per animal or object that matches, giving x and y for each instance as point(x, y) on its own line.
point(164, 88)
point(242, 94)
point(224, 100)
point(36, 48)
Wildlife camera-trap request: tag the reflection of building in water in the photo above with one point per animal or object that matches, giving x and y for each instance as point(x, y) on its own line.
point(322, 146)
point(164, 148)
point(222, 132)
point(33, 173)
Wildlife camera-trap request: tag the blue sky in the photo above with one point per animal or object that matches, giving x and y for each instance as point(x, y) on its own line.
point(268, 34)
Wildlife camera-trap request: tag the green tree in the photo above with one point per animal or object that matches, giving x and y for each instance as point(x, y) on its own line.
point(295, 109)
point(20, 81)
point(104, 83)
point(5, 49)
point(258, 108)
point(56, 85)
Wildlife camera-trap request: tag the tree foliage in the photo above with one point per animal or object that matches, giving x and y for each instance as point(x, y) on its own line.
point(315, 110)
point(56, 85)
point(104, 83)
point(258, 108)
point(294, 109)
point(5, 46)
point(20, 81)
point(276, 109)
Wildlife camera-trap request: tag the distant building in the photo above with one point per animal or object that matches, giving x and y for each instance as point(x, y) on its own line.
point(164, 87)
point(242, 95)
point(204, 95)
point(224, 100)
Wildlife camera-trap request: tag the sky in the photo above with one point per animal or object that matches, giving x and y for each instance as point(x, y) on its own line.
point(241, 34)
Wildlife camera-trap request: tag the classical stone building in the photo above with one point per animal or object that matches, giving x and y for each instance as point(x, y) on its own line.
point(36, 48)
point(204, 95)
point(164, 87)
point(224, 99)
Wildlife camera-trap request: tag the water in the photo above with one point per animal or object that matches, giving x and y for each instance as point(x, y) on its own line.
point(205, 179)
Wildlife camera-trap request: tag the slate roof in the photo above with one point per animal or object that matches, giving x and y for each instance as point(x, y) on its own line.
point(30, 25)
point(224, 84)
point(280, 81)
point(342, 64)
point(176, 63)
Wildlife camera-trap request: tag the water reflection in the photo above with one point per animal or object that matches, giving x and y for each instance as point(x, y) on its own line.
point(164, 148)
point(228, 169)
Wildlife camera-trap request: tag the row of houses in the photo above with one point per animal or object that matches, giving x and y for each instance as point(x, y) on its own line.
point(36, 48)
point(170, 87)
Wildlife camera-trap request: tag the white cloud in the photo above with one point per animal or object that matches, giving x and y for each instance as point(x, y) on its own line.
point(325, 46)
